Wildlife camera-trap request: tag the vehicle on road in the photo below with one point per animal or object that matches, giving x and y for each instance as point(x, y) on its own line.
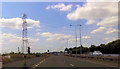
point(56, 54)
point(97, 53)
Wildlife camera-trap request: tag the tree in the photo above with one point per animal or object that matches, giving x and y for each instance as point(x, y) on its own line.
point(109, 48)
point(92, 48)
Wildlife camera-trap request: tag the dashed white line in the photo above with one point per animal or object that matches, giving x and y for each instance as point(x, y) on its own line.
point(72, 65)
point(38, 63)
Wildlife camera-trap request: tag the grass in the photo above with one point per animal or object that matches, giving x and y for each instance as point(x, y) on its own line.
point(17, 57)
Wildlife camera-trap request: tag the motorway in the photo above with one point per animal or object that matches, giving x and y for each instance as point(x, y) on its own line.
point(64, 61)
point(55, 61)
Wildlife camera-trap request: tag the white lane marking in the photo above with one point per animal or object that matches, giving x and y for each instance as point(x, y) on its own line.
point(38, 63)
point(72, 65)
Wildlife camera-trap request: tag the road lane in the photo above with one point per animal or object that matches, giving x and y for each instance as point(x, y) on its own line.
point(54, 61)
point(64, 61)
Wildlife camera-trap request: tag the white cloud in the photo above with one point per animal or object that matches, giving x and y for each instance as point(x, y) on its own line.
point(16, 23)
point(54, 37)
point(73, 40)
point(109, 22)
point(85, 45)
point(100, 29)
point(60, 6)
point(90, 22)
point(111, 30)
point(10, 42)
point(38, 30)
point(109, 39)
point(95, 10)
point(10, 37)
point(107, 25)
point(86, 37)
point(14, 38)
point(58, 37)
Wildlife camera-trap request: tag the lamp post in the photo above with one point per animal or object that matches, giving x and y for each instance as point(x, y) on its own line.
point(80, 39)
point(75, 37)
point(66, 42)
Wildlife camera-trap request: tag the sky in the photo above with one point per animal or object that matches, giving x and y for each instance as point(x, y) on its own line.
point(49, 24)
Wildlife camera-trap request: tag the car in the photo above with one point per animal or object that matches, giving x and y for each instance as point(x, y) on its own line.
point(98, 53)
point(56, 54)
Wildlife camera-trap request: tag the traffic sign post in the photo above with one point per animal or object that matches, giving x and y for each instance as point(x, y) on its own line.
point(25, 65)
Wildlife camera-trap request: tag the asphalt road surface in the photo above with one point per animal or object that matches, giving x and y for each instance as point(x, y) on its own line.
point(54, 61)
point(64, 61)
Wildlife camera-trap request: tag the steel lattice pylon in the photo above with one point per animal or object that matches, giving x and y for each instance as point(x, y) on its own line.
point(24, 35)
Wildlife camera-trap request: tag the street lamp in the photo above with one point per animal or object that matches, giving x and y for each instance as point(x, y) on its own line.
point(75, 37)
point(67, 42)
point(80, 39)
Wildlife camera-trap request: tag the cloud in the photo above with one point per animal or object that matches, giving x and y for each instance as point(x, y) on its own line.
point(54, 37)
point(38, 30)
point(86, 37)
point(109, 22)
point(10, 42)
point(105, 30)
point(60, 7)
point(109, 39)
point(85, 45)
point(58, 37)
point(16, 23)
point(90, 22)
point(107, 25)
point(104, 14)
point(100, 29)
point(94, 10)
point(10, 37)
point(73, 40)
point(14, 38)
point(111, 30)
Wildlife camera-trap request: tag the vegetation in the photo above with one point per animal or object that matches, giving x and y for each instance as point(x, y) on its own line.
point(20, 56)
point(110, 48)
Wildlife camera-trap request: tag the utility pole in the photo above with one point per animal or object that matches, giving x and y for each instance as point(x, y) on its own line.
point(75, 37)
